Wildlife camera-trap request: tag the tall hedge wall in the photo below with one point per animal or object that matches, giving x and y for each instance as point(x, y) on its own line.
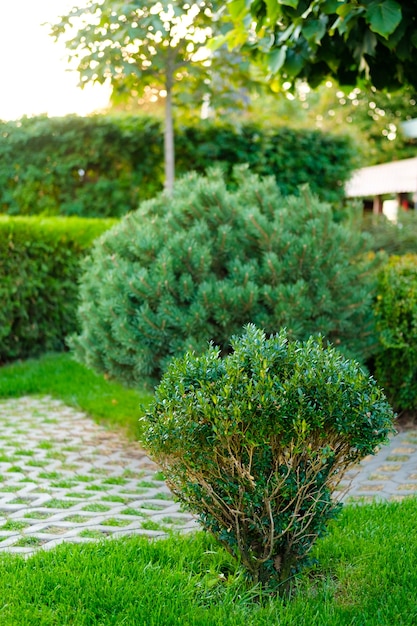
point(103, 166)
point(39, 268)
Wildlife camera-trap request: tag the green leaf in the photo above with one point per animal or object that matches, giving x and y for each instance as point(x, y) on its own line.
point(272, 10)
point(288, 3)
point(236, 8)
point(384, 17)
point(276, 59)
point(330, 6)
point(314, 30)
point(293, 63)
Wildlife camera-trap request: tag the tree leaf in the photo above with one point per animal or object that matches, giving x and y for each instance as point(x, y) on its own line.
point(288, 3)
point(272, 10)
point(384, 17)
point(236, 8)
point(314, 30)
point(276, 59)
point(330, 6)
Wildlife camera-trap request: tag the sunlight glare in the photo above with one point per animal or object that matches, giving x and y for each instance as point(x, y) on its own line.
point(33, 68)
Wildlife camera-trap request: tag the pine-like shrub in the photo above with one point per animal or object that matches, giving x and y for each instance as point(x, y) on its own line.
point(255, 443)
point(396, 316)
point(197, 266)
point(39, 269)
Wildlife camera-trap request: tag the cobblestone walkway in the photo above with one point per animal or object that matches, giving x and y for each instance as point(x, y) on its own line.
point(64, 478)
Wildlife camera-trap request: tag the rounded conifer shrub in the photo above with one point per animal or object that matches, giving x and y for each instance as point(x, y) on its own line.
point(196, 266)
point(256, 442)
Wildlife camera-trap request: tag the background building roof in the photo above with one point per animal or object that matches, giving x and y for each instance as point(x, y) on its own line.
point(387, 178)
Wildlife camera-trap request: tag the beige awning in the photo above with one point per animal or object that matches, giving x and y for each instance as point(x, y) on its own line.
point(387, 178)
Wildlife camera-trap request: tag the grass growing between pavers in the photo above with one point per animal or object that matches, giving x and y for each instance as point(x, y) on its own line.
point(366, 575)
point(59, 376)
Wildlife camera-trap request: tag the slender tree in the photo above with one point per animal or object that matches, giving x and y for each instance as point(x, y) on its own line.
point(134, 44)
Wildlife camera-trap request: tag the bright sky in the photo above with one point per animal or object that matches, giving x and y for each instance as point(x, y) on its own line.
point(33, 70)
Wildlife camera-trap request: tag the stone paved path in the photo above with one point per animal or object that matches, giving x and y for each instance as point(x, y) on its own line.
point(64, 478)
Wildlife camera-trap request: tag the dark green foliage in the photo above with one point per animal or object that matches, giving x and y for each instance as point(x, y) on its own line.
point(396, 315)
point(294, 157)
point(393, 238)
point(256, 442)
point(103, 166)
point(39, 268)
point(79, 166)
point(197, 266)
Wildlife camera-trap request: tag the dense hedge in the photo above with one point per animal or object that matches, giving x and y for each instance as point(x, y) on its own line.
point(396, 317)
point(91, 167)
point(394, 238)
point(39, 266)
point(106, 165)
point(293, 157)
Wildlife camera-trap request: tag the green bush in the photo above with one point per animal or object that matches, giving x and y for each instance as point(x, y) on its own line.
point(293, 157)
point(256, 442)
point(394, 238)
point(197, 266)
point(91, 167)
point(39, 268)
point(396, 318)
point(105, 165)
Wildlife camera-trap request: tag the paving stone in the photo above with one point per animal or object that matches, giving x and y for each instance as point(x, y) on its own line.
point(65, 478)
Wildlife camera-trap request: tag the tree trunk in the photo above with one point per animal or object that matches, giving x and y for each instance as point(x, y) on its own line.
point(169, 150)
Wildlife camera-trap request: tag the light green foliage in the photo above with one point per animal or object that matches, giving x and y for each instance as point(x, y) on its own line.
point(138, 45)
point(316, 39)
point(39, 267)
point(196, 267)
point(256, 442)
point(396, 316)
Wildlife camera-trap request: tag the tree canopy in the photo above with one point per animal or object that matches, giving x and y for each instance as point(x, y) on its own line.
point(360, 41)
point(136, 45)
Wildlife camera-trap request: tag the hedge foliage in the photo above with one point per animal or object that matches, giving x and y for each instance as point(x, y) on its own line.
point(83, 166)
point(395, 238)
point(396, 318)
point(105, 165)
point(183, 270)
point(256, 442)
point(39, 269)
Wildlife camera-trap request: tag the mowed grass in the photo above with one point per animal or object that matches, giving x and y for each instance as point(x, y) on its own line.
point(59, 376)
point(366, 575)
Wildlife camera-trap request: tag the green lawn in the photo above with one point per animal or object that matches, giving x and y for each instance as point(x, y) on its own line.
point(59, 376)
point(366, 571)
point(367, 575)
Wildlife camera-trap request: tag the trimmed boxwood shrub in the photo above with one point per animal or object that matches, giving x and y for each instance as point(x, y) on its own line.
point(39, 269)
point(396, 318)
point(256, 442)
point(197, 266)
